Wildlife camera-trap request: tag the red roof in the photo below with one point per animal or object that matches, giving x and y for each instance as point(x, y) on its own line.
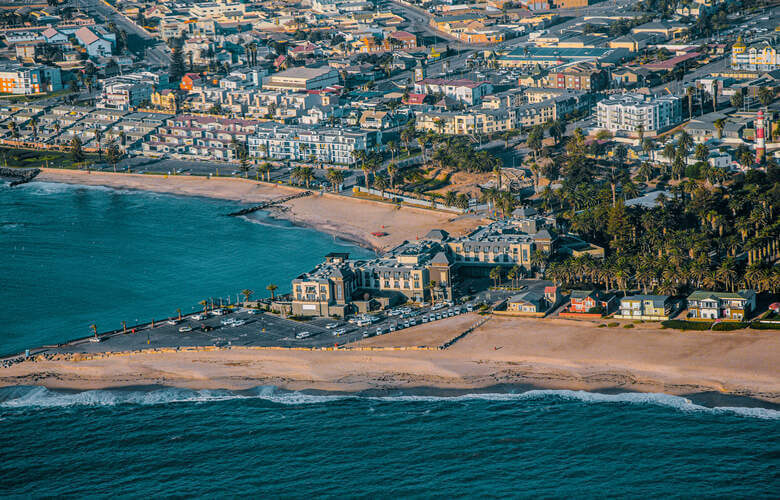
point(415, 99)
point(402, 35)
point(673, 62)
point(192, 76)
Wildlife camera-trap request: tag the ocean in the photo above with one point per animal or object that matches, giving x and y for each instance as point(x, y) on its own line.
point(73, 256)
point(163, 442)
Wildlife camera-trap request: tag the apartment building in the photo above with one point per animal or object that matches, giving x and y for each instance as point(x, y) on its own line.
point(627, 112)
point(466, 91)
point(125, 92)
point(21, 79)
point(301, 78)
point(302, 143)
point(587, 76)
point(200, 137)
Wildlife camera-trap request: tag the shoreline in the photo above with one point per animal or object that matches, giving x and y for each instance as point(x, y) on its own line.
point(323, 211)
point(554, 355)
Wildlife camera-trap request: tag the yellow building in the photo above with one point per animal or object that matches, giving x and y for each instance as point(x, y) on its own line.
point(760, 56)
point(165, 100)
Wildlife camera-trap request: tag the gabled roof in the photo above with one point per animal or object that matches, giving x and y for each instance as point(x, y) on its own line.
point(581, 294)
point(86, 36)
point(440, 258)
point(658, 300)
point(437, 235)
point(526, 297)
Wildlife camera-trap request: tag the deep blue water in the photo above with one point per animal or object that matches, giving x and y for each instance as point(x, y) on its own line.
point(72, 256)
point(270, 444)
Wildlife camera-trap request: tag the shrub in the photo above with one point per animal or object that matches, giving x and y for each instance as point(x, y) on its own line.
point(757, 325)
point(686, 325)
point(726, 327)
point(613, 325)
point(629, 325)
point(596, 310)
point(602, 325)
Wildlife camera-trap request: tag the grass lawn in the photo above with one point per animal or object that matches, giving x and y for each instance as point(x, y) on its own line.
point(28, 158)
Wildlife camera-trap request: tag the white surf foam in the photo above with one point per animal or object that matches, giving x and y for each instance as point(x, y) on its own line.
point(40, 397)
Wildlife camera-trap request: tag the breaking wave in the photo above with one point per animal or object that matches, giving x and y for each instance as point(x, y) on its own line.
point(41, 397)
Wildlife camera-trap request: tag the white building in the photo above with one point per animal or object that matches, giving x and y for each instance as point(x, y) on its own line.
point(302, 78)
point(297, 143)
point(464, 90)
point(125, 92)
point(98, 41)
point(627, 112)
point(19, 79)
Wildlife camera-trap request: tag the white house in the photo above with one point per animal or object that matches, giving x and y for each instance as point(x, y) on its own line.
point(97, 41)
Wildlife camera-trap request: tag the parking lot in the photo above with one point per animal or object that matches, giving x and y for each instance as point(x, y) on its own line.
point(248, 327)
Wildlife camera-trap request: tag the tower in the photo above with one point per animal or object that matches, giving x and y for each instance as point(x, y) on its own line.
point(419, 72)
point(760, 141)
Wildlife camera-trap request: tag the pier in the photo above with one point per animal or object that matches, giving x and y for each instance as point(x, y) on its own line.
point(269, 203)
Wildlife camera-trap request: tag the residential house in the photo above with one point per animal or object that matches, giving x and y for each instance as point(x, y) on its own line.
point(96, 40)
point(583, 301)
point(645, 307)
point(721, 305)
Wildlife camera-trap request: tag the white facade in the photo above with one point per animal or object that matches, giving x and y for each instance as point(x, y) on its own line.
point(628, 111)
point(466, 91)
point(326, 145)
point(302, 79)
point(125, 92)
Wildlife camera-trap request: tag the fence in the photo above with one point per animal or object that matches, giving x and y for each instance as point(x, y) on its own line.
point(393, 197)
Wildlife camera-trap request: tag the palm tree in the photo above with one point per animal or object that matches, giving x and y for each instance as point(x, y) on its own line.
point(305, 175)
point(646, 171)
point(335, 177)
point(719, 126)
point(392, 146)
point(497, 172)
point(392, 171)
point(766, 95)
point(462, 202)
point(669, 152)
point(450, 197)
point(380, 183)
point(495, 275)
point(265, 170)
point(247, 293)
point(272, 288)
point(205, 304)
point(431, 288)
point(701, 153)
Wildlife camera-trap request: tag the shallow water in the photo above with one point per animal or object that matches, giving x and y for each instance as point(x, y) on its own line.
point(75, 255)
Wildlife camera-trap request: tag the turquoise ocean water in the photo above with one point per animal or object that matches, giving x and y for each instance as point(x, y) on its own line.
point(72, 256)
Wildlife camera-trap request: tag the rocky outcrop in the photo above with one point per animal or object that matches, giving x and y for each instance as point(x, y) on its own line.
point(19, 175)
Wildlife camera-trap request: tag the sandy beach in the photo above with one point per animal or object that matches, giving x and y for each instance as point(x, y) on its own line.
point(555, 354)
point(348, 218)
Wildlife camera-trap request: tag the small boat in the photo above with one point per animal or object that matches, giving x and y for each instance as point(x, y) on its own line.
point(379, 233)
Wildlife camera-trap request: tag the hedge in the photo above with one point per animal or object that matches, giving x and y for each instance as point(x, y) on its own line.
point(764, 326)
point(725, 327)
point(629, 325)
point(686, 325)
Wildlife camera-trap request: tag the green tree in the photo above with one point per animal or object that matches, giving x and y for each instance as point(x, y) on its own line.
point(113, 154)
point(76, 151)
point(272, 288)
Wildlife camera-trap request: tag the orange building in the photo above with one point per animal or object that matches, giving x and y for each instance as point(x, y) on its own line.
point(188, 80)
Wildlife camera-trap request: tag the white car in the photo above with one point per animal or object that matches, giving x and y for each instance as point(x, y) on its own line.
point(303, 335)
point(199, 317)
point(331, 326)
point(236, 323)
point(340, 331)
point(173, 322)
point(185, 329)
